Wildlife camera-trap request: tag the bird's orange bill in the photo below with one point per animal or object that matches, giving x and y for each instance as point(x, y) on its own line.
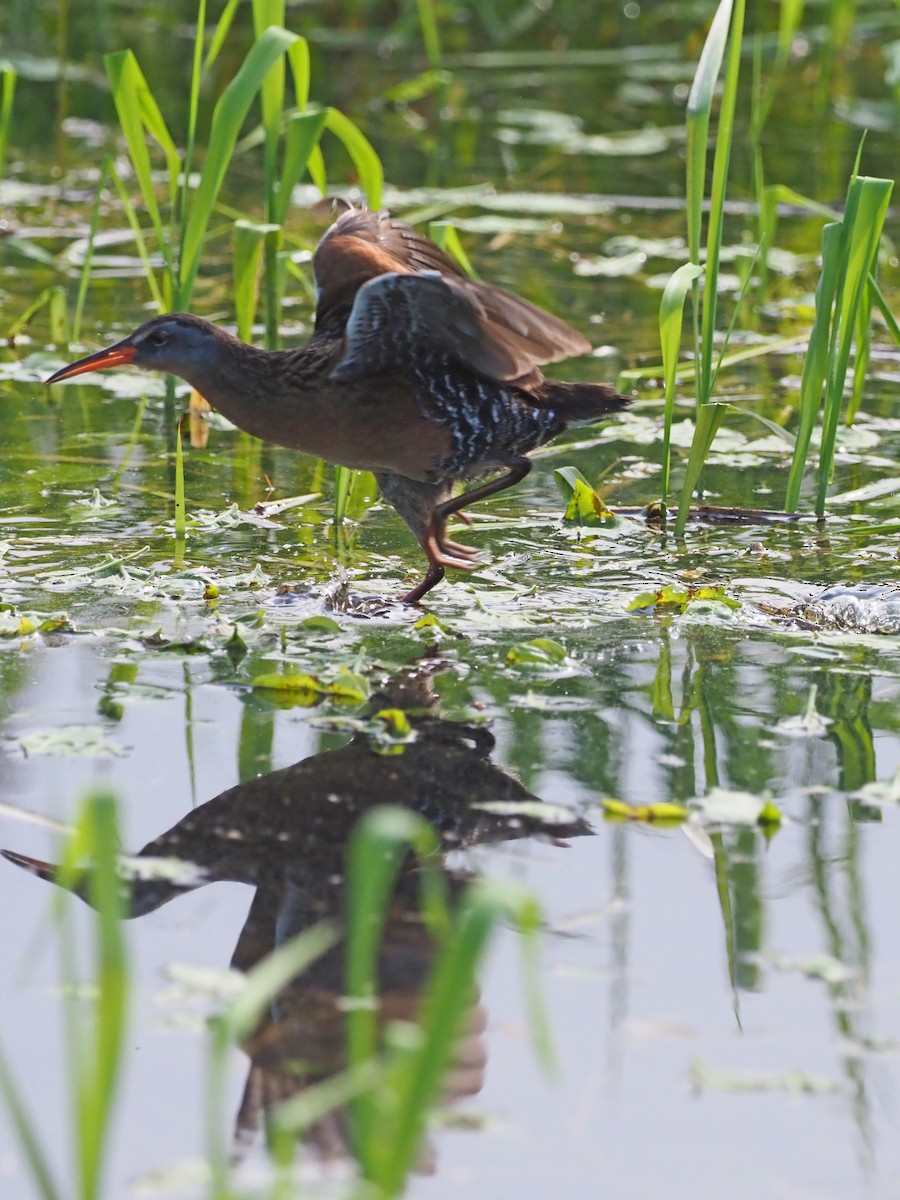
point(115, 356)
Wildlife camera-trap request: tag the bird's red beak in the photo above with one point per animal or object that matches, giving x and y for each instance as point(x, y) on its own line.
point(115, 356)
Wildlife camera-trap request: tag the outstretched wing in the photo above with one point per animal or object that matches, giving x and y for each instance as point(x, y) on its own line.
point(409, 302)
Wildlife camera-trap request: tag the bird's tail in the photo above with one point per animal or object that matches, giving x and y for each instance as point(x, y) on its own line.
point(580, 401)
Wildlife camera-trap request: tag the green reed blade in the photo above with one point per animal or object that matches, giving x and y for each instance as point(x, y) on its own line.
point(718, 189)
point(26, 1131)
point(58, 312)
point(882, 305)
point(430, 33)
point(138, 111)
point(343, 481)
point(85, 277)
point(237, 1022)
point(220, 33)
point(301, 137)
point(377, 846)
point(228, 117)
point(863, 347)
point(416, 1072)
point(699, 108)
point(709, 418)
point(183, 190)
point(316, 168)
point(671, 314)
point(43, 300)
point(445, 235)
point(298, 57)
point(161, 295)
point(112, 977)
point(266, 14)
point(248, 238)
point(7, 95)
point(180, 516)
point(363, 154)
point(867, 204)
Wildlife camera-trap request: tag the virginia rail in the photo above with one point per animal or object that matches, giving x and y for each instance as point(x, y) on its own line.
point(413, 372)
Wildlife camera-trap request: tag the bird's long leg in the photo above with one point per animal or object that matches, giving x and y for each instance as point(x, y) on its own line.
point(420, 506)
point(443, 550)
point(433, 576)
point(518, 469)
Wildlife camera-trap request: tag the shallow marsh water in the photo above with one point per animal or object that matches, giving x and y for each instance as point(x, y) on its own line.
point(723, 1001)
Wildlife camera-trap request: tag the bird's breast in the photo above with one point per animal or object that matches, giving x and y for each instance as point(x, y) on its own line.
point(376, 425)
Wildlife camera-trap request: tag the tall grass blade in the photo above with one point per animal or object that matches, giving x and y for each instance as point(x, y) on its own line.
point(220, 33)
point(237, 1022)
point(718, 188)
point(85, 277)
point(157, 291)
point(95, 1025)
point(180, 522)
point(298, 57)
point(7, 96)
point(178, 215)
point(267, 14)
point(228, 117)
point(445, 235)
point(343, 482)
point(248, 238)
point(362, 152)
point(709, 418)
point(699, 108)
point(26, 1132)
point(377, 847)
point(863, 222)
point(430, 34)
point(138, 112)
point(301, 137)
point(416, 1072)
point(671, 314)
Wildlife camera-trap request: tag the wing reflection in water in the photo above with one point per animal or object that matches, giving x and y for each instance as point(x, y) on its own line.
point(286, 834)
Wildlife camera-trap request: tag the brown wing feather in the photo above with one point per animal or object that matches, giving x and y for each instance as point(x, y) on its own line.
point(428, 305)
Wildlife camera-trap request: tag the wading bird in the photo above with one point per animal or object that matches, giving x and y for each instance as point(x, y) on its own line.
point(413, 372)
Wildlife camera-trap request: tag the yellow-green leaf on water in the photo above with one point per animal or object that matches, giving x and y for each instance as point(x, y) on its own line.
point(660, 813)
point(348, 686)
point(586, 508)
point(583, 505)
point(617, 810)
point(429, 622)
point(540, 652)
point(675, 598)
point(770, 814)
point(396, 722)
point(289, 681)
point(306, 689)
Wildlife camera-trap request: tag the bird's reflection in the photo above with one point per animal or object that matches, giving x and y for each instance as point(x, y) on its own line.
point(286, 833)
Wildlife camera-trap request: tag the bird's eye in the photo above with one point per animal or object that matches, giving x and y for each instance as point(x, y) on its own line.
point(158, 337)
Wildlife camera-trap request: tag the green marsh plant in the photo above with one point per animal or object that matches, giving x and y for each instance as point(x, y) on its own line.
point(290, 137)
point(847, 289)
point(95, 1009)
point(7, 94)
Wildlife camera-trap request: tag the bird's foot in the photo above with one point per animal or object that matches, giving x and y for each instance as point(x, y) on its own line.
point(444, 551)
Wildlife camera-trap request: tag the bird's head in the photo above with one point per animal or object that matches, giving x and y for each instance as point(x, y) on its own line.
point(178, 343)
